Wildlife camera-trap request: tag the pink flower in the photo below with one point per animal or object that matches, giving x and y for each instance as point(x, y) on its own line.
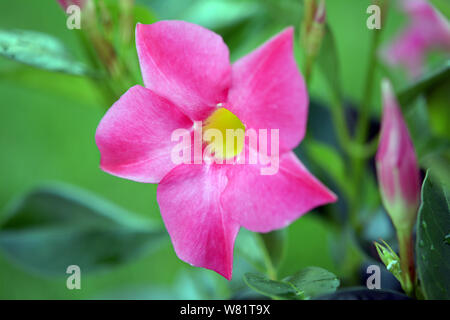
point(427, 30)
point(397, 169)
point(66, 3)
point(188, 77)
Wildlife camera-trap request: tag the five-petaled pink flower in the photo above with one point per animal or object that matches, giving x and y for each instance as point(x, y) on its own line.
point(188, 77)
point(397, 169)
point(427, 30)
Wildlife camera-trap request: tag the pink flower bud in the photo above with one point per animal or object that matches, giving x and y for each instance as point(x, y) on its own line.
point(397, 169)
point(66, 3)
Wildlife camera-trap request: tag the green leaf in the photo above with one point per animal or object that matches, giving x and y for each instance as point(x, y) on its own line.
point(328, 62)
point(439, 161)
point(271, 288)
point(264, 251)
point(432, 248)
point(39, 50)
point(328, 159)
point(248, 245)
point(305, 284)
point(53, 227)
point(142, 14)
point(215, 14)
point(314, 281)
point(443, 6)
point(359, 293)
point(423, 85)
point(390, 259)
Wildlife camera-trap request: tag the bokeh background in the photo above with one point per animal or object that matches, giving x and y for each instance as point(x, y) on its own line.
point(48, 122)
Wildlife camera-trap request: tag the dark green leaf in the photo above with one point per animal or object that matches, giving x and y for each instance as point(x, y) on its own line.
point(39, 50)
point(438, 158)
point(363, 294)
point(314, 281)
point(53, 227)
point(271, 288)
point(426, 83)
point(432, 249)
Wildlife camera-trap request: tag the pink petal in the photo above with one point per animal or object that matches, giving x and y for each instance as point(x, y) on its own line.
point(409, 50)
point(134, 137)
point(268, 90)
point(263, 203)
point(429, 22)
point(66, 3)
point(397, 168)
point(189, 200)
point(184, 63)
point(427, 30)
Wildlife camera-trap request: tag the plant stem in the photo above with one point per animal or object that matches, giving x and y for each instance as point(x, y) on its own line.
point(270, 268)
point(360, 137)
point(406, 252)
point(363, 119)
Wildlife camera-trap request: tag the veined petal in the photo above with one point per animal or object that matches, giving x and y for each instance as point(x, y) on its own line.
point(134, 137)
point(268, 91)
point(189, 200)
point(184, 63)
point(263, 203)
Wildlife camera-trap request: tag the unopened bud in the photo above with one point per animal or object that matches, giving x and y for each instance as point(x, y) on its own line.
point(397, 169)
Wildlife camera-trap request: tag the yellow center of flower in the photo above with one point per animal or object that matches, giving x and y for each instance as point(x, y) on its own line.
point(224, 132)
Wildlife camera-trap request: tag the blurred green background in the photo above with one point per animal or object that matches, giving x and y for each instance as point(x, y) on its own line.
point(48, 122)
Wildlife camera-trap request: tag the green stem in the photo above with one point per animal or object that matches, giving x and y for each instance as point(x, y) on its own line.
point(270, 268)
point(406, 251)
point(359, 164)
point(363, 119)
point(352, 148)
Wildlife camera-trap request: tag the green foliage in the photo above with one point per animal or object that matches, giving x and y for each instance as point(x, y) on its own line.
point(328, 62)
point(39, 50)
point(271, 288)
point(53, 227)
point(390, 259)
point(305, 284)
point(443, 6)
point(328, 158)
point(264, 251)
point(360, 293)
point(432, 247)
point(314, 281)
point(275, 245)
point(48, 129)
point(424, 84)
point(249, 247)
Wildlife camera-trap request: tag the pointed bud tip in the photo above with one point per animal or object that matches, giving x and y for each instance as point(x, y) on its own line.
point(387, 92)
point(320, 12)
